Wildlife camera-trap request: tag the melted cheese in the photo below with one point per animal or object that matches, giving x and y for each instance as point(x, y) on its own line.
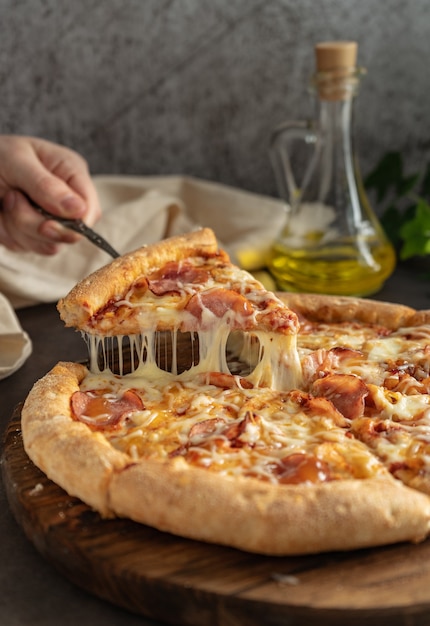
point(277, 365)
point(194, 420)
point(254, 431)
point(400, 407)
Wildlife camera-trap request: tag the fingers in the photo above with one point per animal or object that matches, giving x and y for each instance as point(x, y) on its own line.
point(22, 228)
point(52, 177)
point(83, 185)
point(64, 185)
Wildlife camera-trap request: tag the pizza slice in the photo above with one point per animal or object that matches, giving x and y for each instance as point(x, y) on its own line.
point(378, 378)
point(186, 285)
point(396, 420)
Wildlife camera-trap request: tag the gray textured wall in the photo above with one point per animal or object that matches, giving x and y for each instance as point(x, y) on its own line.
point(195, 86)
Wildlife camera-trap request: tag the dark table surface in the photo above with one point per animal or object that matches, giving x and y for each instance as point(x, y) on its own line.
point(32, 592)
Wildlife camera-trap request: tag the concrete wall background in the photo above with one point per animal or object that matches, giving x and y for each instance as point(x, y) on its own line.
point(196, 86)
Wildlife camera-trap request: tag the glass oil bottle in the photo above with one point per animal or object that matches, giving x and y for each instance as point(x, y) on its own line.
point(332, 241)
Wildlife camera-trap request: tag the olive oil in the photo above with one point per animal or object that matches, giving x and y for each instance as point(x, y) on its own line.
point(332, 241)
point(334, 271)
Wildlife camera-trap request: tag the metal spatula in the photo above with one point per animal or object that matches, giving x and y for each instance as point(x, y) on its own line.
point(80, 227)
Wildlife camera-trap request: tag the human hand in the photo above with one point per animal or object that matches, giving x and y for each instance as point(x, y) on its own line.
point(51, 176)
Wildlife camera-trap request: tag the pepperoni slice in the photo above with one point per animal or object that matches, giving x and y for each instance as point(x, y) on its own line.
point(235, 430)
point(100, 411)
point(346, 391)
point(205, 427)
point(225, 381)
point(318, 406)
point(299, 468)
point(219, 302)
point(175, 275)
point(323, 362)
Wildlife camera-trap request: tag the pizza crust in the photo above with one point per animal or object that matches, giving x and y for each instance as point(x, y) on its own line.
point(334, 309)
point(191, 502)
point(420, 317)
point(269, 519)
point(78, 460)
point(114, 280)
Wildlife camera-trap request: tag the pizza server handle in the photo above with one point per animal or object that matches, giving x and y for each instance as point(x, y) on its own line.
point(80, 227)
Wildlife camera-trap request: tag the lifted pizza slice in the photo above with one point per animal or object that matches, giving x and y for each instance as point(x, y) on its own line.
point(186, 285)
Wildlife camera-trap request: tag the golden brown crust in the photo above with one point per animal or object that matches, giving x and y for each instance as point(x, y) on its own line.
point(114, 280)
point(333, 309)
point(175, 497)
point(269, 519)
point(75, 458)
point(420, 317)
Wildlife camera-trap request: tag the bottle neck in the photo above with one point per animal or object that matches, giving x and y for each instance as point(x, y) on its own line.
point(336, 118)
point(335, 93)
point(337, 84)
point(335, 121)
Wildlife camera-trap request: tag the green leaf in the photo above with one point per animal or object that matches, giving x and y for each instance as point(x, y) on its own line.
point(406, 219)
point(416, 232)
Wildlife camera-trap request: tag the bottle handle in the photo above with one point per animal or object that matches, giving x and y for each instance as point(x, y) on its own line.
point(280, 148)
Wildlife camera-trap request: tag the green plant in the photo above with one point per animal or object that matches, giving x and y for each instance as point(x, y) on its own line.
point(404, 200)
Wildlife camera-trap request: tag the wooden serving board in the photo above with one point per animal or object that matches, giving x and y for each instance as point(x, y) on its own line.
point(185, 582)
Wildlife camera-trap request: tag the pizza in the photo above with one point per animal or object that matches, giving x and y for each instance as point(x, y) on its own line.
point(216, 410)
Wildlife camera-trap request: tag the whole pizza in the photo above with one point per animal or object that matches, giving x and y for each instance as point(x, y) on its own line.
point(216, 410)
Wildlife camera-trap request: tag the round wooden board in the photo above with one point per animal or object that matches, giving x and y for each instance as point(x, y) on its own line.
point(184, 582)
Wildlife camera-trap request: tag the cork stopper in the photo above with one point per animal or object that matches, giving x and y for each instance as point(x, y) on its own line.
point(335, 64)
point(332, 55)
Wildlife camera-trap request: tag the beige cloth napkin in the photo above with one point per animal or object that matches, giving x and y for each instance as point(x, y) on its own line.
point(140, 210)
point(15, 344)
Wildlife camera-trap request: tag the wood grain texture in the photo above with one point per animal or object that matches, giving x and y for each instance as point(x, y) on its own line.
point(188, 583)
